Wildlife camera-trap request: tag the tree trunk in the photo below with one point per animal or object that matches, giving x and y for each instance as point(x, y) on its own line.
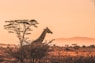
point(21, 59)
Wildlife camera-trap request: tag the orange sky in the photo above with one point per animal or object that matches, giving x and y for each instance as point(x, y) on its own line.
point(66, 18)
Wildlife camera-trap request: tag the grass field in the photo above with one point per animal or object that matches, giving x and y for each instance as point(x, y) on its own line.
point(81, 55)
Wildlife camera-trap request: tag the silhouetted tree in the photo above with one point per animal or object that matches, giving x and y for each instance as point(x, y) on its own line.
point(67, 47)
point(75, 46)
point(83, 46)
point(91, 46)
point(20, 28)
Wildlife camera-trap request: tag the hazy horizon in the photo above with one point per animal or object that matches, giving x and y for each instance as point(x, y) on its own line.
point(68, 41)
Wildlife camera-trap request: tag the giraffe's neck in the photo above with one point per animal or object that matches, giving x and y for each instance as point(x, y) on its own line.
point(41, 38)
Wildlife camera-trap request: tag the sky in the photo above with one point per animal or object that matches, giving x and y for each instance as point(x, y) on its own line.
point(66, 18)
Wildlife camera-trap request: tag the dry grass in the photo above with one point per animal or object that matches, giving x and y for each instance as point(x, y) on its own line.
point(83, 55)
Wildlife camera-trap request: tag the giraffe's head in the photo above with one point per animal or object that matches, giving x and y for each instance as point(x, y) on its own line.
point(48, 30)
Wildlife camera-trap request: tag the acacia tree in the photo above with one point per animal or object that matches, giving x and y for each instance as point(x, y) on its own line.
point(21, 28)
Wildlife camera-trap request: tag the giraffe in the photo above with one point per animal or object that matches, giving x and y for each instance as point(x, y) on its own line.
point(42, 36)
point(37, 43)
